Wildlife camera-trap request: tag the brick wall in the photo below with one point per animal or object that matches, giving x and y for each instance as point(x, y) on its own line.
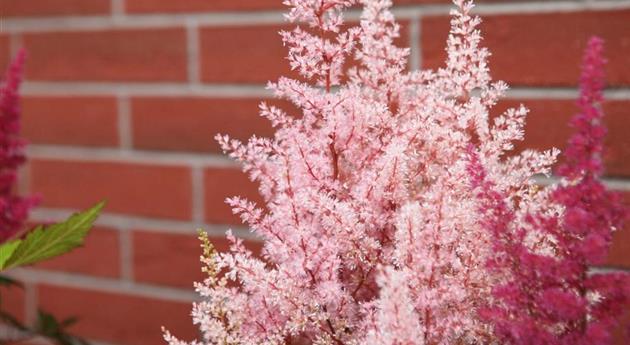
point(124, 96)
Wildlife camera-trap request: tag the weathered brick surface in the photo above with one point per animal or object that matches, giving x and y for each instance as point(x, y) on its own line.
point(618, 140)
point(190, 124)
point(135, 189)
point(5, 54)
point(73, 121)
point(21, 8)
point(222, 183)
point(13, 302)
point(540, 49)
point(118, 318)
point(258, 52)
point(622, 333)
point(548, 126)
point(157, 54)
point(176, 6)
point(618, 256)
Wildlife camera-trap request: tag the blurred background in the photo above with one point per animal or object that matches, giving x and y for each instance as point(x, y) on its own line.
point(123, 99)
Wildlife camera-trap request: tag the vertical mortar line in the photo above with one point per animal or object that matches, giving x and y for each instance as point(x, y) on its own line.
point(125, 136)
point(198, 202)
point(125, 242)
point(24, 179)
point(31, 302)
point(118, 8)
point(414, 37)
point(192, 50)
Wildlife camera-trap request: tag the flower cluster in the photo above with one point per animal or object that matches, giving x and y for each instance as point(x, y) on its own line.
point(13, 208)
point(395, 210)
point(547, 294)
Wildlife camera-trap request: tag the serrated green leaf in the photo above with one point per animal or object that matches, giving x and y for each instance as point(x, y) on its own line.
point(47, 324)
point(47, 242)
point(6, 250)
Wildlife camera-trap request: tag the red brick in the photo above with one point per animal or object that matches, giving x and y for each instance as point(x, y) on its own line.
point(250, 54)
point(221, 183)
point(622, 333)
point(243, 54)
point(117, 318)
point(620, 251)
point(548, 126)
point(190, 124)
point(175, 6)
point(129, 188)
point(13, 301)
point(619, 255)
point(100, 256)
point(618, 141)
point(21, 8)
point(78, 121)
point(5, 53)
point(115, 55)
point(171, 6)
point(156, 253)
point(541, 49)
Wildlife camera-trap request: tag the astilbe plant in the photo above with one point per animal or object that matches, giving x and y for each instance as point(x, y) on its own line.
point(20, 245)
point(387, 200)
point(546, 294)
point(13, 208)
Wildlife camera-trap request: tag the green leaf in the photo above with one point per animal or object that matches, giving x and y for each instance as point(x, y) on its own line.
point(45, 243)
point(49, 327)
point(47, 324)
point(6, 250)
point(68, 322)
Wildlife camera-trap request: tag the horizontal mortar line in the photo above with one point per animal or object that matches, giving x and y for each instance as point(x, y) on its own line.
point(38, 276)
point(562, 93)
point(145, 89)
point(613, 183)
point(35, 88)
point(404, 12)
point(86, 154)
point(145, 21)
point(608, 269)
point(139, 21)
point(617, 184)
point(121, 222)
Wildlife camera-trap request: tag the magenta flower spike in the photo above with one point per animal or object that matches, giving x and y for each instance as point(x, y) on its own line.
point(546, 292)
point(13, 208)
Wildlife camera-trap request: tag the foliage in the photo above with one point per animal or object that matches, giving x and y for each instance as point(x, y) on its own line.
point(44, 242)
point(41, 244)
point(46, 326)
point(13, 208)
point(395, 210)
point(547, 294)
